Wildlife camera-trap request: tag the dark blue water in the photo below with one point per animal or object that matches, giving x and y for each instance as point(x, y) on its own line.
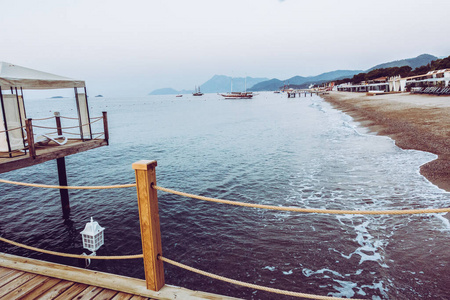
point(270, 150)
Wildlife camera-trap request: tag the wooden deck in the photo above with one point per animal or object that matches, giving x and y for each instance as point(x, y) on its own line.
point(26, 278)
point(46, 153)
point(21, 285)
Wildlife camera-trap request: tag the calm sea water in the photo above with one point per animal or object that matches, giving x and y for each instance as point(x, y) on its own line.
point(271, 150)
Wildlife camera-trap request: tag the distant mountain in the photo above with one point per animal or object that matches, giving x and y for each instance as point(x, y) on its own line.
point(415, 62)
point(269, 85)
point(217, 84)
point(303, 82)
point(222, 84)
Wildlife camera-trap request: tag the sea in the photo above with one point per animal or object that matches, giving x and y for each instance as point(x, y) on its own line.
point(273, 150)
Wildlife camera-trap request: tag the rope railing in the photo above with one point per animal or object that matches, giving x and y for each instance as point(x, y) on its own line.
point(97, 135)
point(68, 254)
point(11, 129)
point(94, 118)
point(46, 186)
point(48, 127)
point(72, 133)
point(70, 127)
point(43, 119)
point(307, 210)
point(149, 221)
point(245, 284)
point(68, 118)
point(63, 117)
point(172, 262)
point(237, 203)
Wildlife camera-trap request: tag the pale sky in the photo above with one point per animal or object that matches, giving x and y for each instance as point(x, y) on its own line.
point(133, 47)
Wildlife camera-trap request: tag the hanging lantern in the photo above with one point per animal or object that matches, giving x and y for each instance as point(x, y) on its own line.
point(92, 236)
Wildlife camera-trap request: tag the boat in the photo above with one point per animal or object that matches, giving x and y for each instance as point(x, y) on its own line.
point(197, 92)
point(238, 95)
point(179, 96)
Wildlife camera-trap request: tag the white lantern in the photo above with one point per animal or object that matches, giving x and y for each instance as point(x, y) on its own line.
point(92, 236)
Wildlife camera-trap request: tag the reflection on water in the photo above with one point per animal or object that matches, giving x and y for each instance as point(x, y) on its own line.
point(270, 150)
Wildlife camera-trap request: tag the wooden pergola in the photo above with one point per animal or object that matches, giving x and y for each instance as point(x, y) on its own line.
point(18, 148)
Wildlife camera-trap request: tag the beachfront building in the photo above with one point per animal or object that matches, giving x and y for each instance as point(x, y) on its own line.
point(364, 87)
point(397, 84)
point(438, 78)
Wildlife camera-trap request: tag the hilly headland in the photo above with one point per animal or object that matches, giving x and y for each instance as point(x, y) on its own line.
point(223, 83)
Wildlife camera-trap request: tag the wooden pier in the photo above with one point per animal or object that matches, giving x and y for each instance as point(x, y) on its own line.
point(292, 93)
point(48, 152)
point(20, 147)
point(26, 278)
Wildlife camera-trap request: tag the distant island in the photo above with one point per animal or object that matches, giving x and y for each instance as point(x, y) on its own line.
point(99, 96)
point(217, 84)
point(222, 83)
point(56, 97)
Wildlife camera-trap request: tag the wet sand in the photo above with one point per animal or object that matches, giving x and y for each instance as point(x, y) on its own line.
point(420, 122)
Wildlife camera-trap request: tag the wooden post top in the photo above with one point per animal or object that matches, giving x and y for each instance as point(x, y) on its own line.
point(144, 165)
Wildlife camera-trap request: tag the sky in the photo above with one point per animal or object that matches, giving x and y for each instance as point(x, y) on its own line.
point(134, 47)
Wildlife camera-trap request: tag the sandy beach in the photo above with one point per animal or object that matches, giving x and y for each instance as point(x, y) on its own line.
point(420, 122)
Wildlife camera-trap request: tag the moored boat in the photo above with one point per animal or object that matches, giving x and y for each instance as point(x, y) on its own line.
point(197, 92)
point(238, 95)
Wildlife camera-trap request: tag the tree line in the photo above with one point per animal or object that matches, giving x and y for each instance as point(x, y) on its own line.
point(405, 71)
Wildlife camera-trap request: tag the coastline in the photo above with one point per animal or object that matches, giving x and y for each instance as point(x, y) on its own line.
point(418, 122)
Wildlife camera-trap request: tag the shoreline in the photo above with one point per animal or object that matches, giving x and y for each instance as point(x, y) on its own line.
point(417, 122)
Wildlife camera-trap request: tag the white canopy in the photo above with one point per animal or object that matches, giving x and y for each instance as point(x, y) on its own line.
point(21, 77)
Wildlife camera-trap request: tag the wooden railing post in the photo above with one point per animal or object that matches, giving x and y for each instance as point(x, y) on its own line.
point(105, 127)
point(30, 137)
point(58, 122)
point(149, 220)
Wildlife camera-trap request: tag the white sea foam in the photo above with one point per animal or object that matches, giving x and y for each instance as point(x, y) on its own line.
point(445, 221)
point(345, 289)
point(308, 272)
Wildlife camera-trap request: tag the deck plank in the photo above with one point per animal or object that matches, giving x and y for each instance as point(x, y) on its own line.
point(15, 283)
point(72, 292)
point(42, 289)
point(89, 293)
point(110, 284)
point(122, 296)
point(46, 153)
point(5, 271)
point(10, 276)
point(136, 297)
point(56, 290)
point(25, 288)
point(105, 295)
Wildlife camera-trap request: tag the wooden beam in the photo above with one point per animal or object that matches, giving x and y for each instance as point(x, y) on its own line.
point(30, 138)
point(58, 122)
point(105, 126)
point(64, 193)
point(149, 220)
point(100, 279)
point(49, 153)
